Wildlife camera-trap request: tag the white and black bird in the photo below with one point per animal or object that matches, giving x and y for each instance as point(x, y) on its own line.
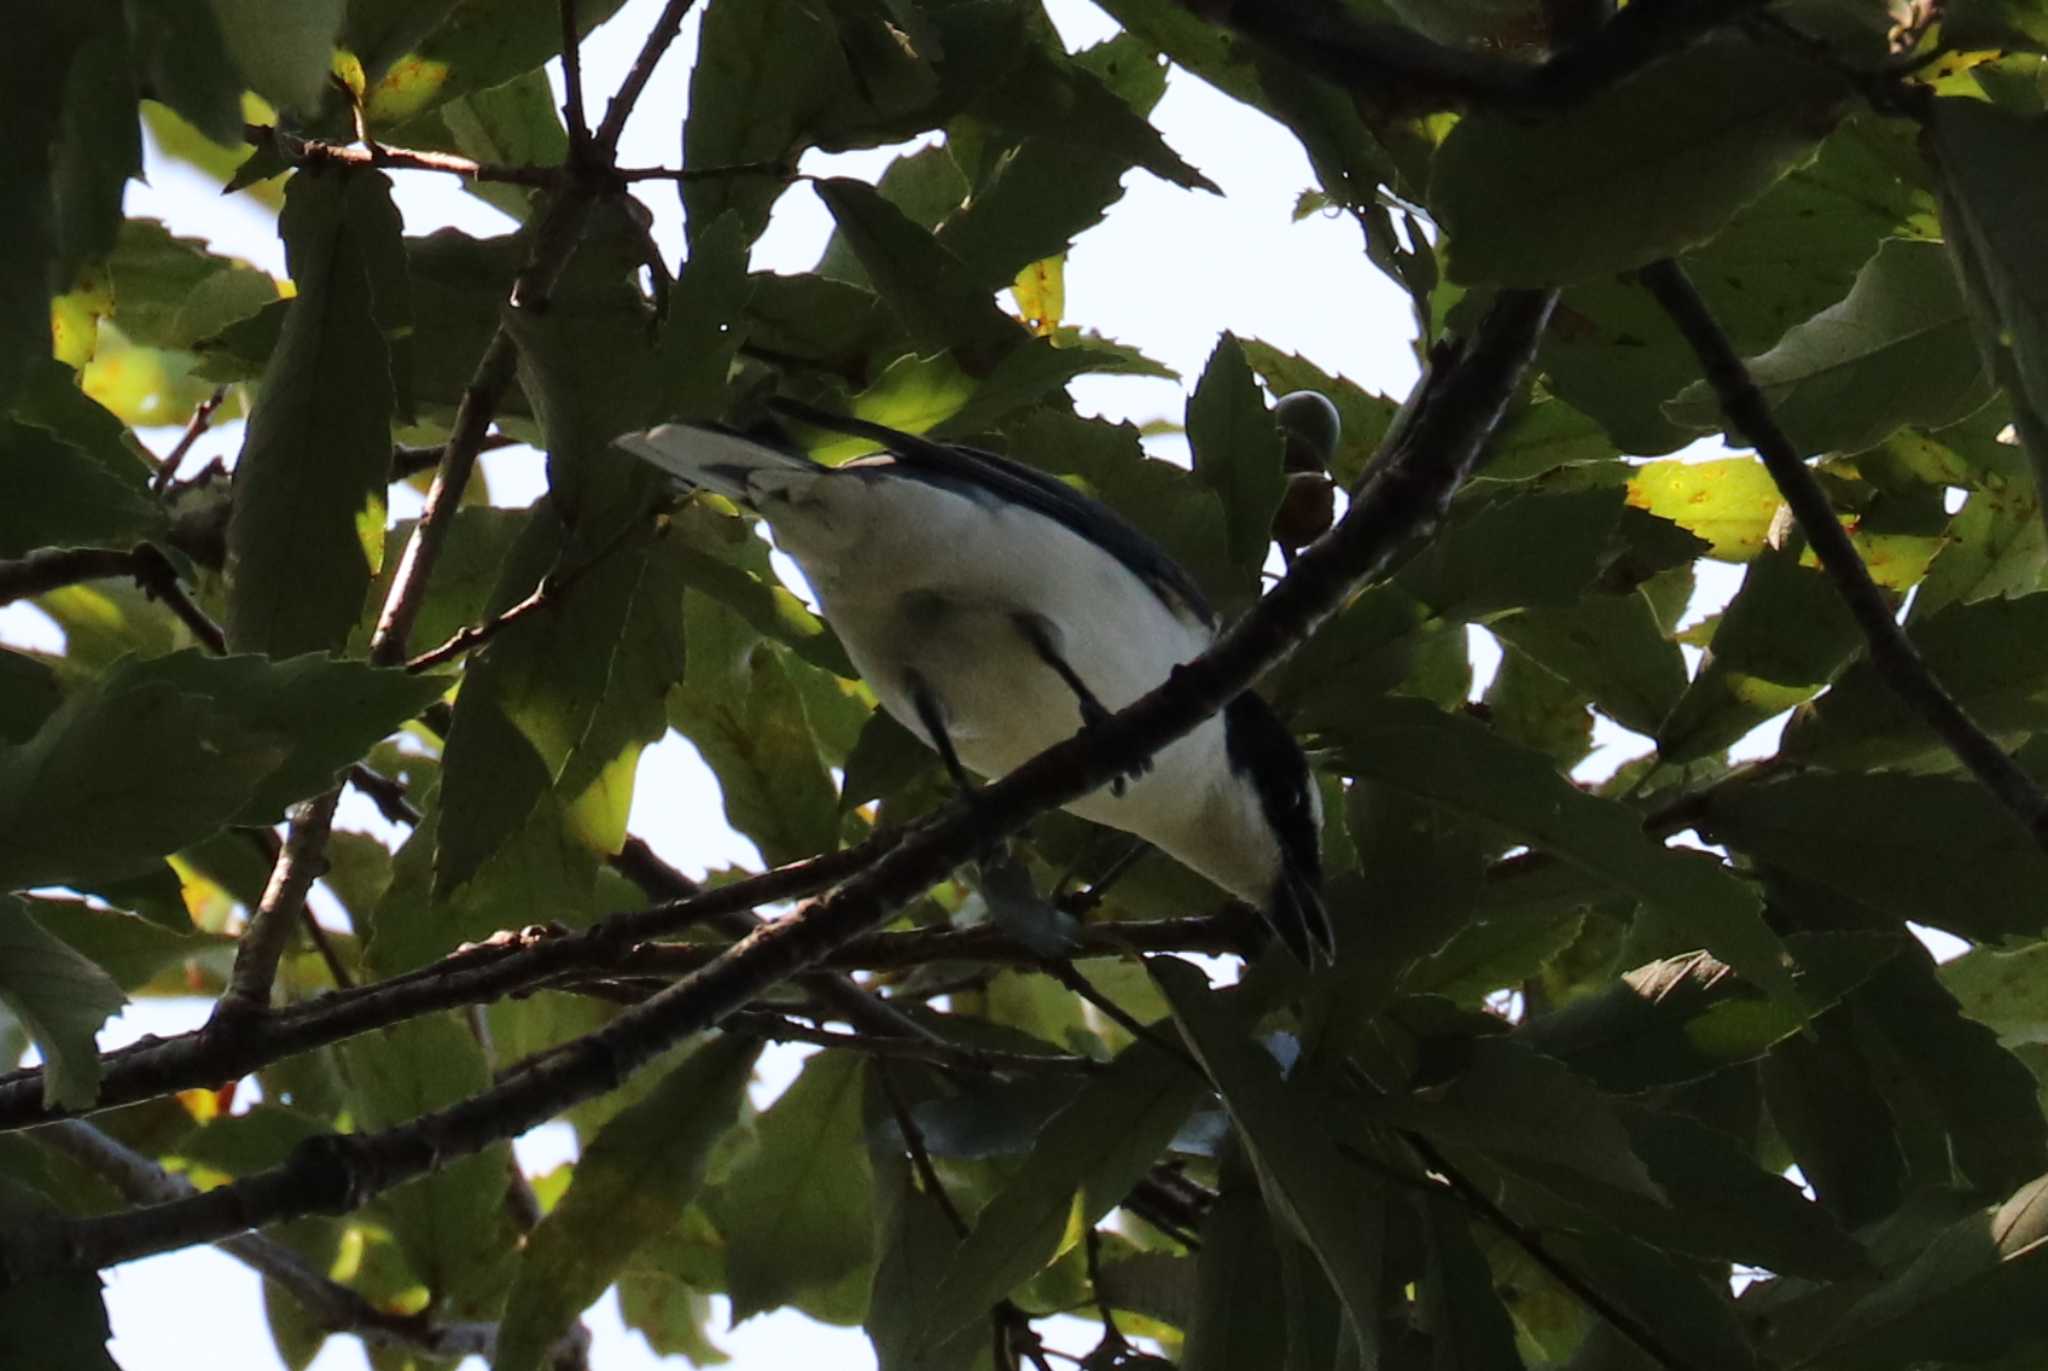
point(996, 611)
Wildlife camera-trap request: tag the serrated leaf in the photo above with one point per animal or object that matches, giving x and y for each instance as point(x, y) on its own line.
point(1991, 656)
point(633, 1183)
point(58, 496)
point(1646, 169)
point(1363, 417)
point(283, 57)
point(1729, 502)
point(1085, 1162)
point(1535, 548)
point(1962, 1300)
point(1677, 1019)
point(1931, 849)
point(327, 712)
point(1987, 208)
point(131, 950)
point(1782, 638)
point(58, 1320)
point(309, 485)
point(1240, 1308)
point(1469, 1329)
point(451, 1223)
point(753, 733)
point(1323, 1196)
point(1609, 646)
point(1460, 763)
point(99, 148)
point(61, 999)
point(471, 48)
point(1237, 451)
point(795, 1213)
point(127, 771)
point(2005, 991)
point(172, 292)
point(940, 302)
point(1896, 351)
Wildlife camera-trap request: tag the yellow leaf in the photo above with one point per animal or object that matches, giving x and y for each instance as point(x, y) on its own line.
point(1041, 294)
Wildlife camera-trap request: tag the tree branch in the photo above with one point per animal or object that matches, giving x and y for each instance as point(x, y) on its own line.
point(1891, 651)
point(48, 569)
point(1457, 409)
point(299, 863)
point(1392, 66)
point(337, 1308)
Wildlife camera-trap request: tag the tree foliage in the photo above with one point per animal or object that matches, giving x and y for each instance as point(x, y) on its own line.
point(1545, 1110)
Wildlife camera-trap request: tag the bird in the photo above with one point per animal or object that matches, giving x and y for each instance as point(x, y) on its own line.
point(995, 611)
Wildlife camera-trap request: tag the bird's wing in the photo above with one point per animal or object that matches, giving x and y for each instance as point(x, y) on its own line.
point(984, 475)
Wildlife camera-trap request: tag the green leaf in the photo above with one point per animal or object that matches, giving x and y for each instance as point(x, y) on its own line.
point(940, 302)
point(1535, 548)
point(752, 731)
point(1084, 1164)
point(1966, 1298)
point(1835, 1124)
point(1240, 1308)
point(329, 712)
point(60, 497)
point(1326, 1198)
point(309, 485)
point(42, 46)
point(128, 771)
point(133, 951)
point(284, 57)
point(1650, 167)
point(474, 48)
point(2005, 991)
point(61, 999)
point(1237, 451)
point(560, 697)
point(1991, 656)
point(58, 1320)
point(1996, 546)
point(99, 149)
point(1934, 850)
point(1895, 352)
point(1678, 1306)
point(1609, 646)
point(1989, 207)
point(182, 61)
point(795, 1212)
point(633, 1183)
point(925, 184)
point(1783, 637)
point(774, 77)
point(172, 292)
point(1469, 1329)
point(1460, 763)
point(1730, 502)
point(517, 124)
point(1680, 1018)
point(452, 1223)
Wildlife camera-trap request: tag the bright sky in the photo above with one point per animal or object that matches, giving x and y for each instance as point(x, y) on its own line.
point(1168, 272)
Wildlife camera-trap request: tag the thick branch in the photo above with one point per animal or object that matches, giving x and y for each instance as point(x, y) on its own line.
point(1458, 408)
point(1891, 651)
point(337, 1308)
point(48, 569)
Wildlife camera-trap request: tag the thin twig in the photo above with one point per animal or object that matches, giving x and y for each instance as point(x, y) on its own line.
point(387, 793)
point(606, 142)
point(948, 1056)
point(263, 941)
point(201, 413)
point(920, 1155)
point(1897, 660)
point(552, 590)
point(572, 87)
point(1065, 973)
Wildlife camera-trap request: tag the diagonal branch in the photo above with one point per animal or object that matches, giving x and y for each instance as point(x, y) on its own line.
point(300, 861)
point(1458, 408)
point(1891, 651)
point(335, 1307)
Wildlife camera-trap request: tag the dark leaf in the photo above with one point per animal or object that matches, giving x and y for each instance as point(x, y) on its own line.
point(633, 1183)
point(1237, 451)
point(61, 999)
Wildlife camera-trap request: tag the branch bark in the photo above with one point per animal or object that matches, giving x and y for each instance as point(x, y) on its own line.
point(1456, 411)
point(1893, 653)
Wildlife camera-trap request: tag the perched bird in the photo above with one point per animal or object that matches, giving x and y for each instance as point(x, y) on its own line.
point(996, 611)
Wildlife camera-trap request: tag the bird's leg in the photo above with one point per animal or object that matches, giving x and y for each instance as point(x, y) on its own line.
point(926, 702)
point(1043, 637)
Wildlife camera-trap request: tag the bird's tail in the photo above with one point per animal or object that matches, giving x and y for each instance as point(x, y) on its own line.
point(1296, 912)
point(717, 459)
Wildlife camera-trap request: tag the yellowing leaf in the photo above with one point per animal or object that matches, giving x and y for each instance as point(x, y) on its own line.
point(1730, 503)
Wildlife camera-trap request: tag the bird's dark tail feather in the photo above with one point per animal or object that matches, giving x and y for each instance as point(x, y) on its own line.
point(1297, 914)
